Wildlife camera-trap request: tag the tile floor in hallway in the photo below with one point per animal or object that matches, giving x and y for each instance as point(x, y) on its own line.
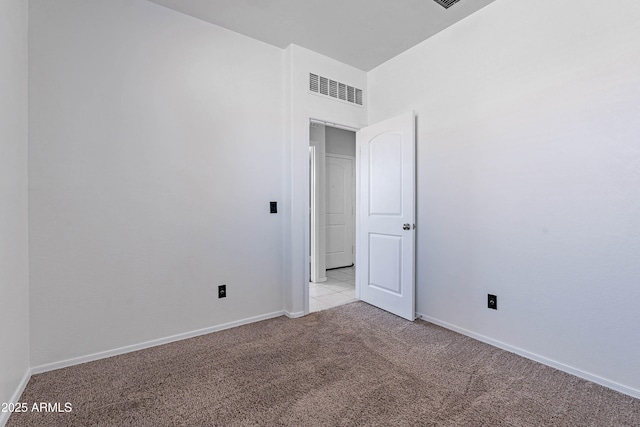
point(339, 289)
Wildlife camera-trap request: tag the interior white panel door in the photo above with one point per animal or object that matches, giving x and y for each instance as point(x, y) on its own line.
point(386, 228)
point(339, 211)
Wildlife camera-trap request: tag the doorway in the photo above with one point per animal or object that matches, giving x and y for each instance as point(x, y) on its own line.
point(332, 155)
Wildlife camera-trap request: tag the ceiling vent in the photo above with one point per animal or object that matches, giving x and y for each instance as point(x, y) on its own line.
point(446, 3)
point(334, 89)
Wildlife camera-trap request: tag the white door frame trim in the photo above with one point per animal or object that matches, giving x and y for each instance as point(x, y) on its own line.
point(312, 215)
point(341, 156)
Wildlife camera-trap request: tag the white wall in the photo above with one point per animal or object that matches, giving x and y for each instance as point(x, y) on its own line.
point(529, 178)
point(156, 145)
point(14, 276)
point(303, 105)
point(341, 141)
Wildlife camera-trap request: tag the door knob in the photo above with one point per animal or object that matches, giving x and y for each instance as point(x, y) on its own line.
point(406, 227)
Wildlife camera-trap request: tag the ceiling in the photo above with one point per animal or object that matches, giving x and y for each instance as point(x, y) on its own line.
point(361, 33)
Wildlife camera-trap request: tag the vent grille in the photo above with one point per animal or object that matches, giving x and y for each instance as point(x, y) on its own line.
point(324, 86)
point(334, 89)
point(446, 3)
point(314, 83)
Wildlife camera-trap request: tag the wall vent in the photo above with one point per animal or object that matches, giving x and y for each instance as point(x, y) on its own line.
point(446, 3)
point(334, 89)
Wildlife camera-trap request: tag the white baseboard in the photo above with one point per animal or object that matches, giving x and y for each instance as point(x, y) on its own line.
point(294, 315)
point(536, 358)
point(4, 416)
point(148, 344)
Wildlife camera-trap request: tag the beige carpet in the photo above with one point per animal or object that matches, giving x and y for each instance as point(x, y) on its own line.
point(348, 366)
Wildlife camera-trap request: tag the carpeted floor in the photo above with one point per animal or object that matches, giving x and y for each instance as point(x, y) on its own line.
point(347, 366)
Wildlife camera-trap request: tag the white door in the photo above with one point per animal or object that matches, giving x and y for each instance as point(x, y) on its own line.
point(339, 211)
point(386, 234)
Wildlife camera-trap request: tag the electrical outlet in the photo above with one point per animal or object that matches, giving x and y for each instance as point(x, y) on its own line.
point(222, 291)
point(492, 301)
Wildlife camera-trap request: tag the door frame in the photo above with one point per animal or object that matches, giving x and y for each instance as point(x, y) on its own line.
point(313, 214)
point(354, 127)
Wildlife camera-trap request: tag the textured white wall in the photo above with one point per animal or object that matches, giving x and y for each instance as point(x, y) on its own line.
point(14, 264)
point(156, 145)
point(341, 141)
point(529, 177)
